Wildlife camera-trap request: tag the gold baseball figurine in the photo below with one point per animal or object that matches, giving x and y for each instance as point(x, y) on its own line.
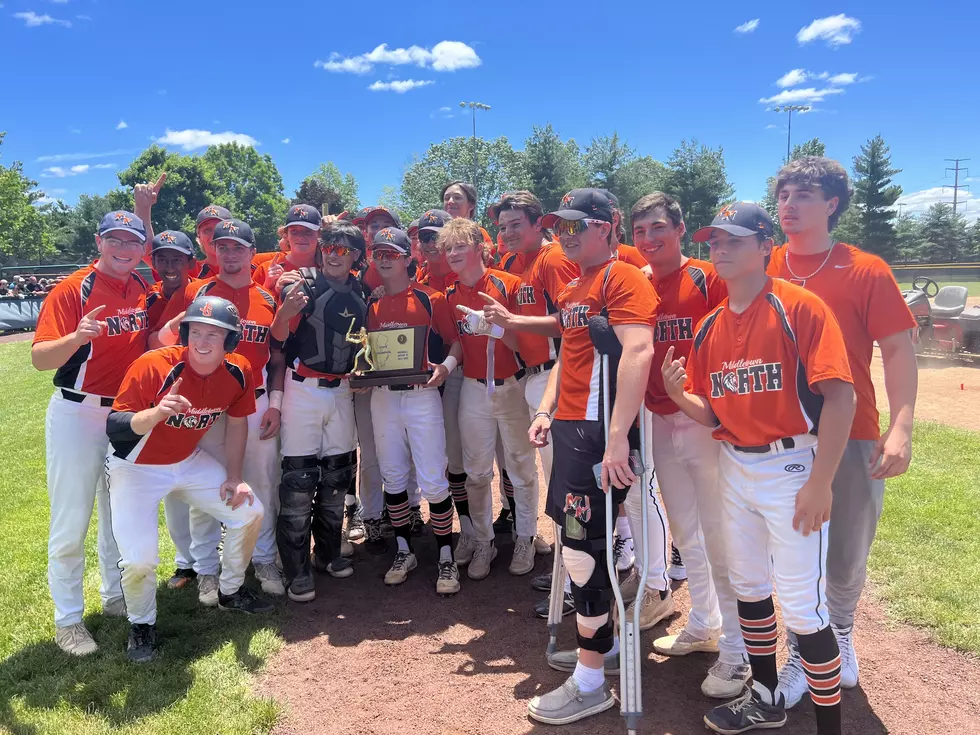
point(360, 338)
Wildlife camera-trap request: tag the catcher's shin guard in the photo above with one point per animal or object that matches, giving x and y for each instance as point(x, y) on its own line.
point(300, 476)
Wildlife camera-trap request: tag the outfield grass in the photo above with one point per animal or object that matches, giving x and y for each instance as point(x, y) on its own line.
point(972, 286)
point(926, 557)
point(200, 684)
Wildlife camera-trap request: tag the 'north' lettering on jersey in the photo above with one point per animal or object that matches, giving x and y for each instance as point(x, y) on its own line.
point(199, 419)
point(576, 315)
point(752, 376)
point(134, 320)
point(252, 332)
point(525, 295)
point(673, 329)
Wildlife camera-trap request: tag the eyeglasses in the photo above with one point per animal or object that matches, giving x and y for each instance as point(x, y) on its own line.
point(386, 254)
point(428, 236)
point(574, 227)
point(115, 242)
point(336, 250)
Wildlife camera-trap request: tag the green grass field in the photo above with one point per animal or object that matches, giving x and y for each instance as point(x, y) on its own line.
point(905, 282)
point(926, 564)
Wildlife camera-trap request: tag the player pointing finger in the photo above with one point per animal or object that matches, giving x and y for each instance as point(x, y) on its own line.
point(89, 327)
point(673, 374)
point(495, 312)
point(173, 403)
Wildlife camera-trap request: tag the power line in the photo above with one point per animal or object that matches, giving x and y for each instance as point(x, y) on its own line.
point(956, 181)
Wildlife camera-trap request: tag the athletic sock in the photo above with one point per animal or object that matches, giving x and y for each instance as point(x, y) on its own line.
point(398, 512)
point(350, 499)
point(457, 488)
point(588, 680)
point(402, 543)
point(445, 553)
point(821, 664)
point(509, 493)
point(352, 488)
point(623, 527)
point(758, 621)
point(441, 520)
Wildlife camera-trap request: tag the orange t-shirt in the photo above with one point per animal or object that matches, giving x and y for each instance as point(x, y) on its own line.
point(628, 297)
point(503, 287)
point(544, 275)
point(686, 296)
point(629, 254)
point(98, 366)
point(408, 309)
point(757, 369)
point(256, 307)
point(862, 293)
point(229, 389)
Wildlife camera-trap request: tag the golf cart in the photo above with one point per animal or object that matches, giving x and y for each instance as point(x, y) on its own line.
point(946, 327)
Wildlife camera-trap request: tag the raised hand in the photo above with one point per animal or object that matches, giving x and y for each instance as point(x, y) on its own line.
point(89, 327)
point(478, 325)
point(673, 374)
point(495, 312)
point(294, 302)
point(173, 403)
point(145, 195)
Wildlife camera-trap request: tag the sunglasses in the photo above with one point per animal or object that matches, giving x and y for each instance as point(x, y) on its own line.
point(428, 236)
point(387, 255)
point(574, 227)
point(336, 250)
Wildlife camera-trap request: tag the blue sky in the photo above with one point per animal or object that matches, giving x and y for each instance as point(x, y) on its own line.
point(89, 83)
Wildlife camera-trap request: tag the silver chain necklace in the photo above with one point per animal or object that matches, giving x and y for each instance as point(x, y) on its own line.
point(804, 279)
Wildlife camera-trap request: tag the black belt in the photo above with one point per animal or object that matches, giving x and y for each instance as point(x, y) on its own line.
point(259, 392)
point(320, 382)
point(500, 381)
point(787, 443)
point(74, 397)
point(417, 386)
point(534, 370)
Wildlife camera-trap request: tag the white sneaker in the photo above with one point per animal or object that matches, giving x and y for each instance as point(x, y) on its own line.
point(270, 579)
point(848, 657)
point(483, 553)
point(523, 560)
point(653, 608)
point(463, 552)
point(726, 681)
point(624, 554)
point(685, 643)
point(207, 589)
point(676, 570)
point(541, 546)
point(114, 608)
point(75, 639)
point(404, 563)
point(792, 678)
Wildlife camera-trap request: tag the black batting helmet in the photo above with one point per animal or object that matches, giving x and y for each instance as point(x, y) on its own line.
point(217, 312)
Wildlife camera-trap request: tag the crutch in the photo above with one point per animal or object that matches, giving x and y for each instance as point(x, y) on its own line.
point(630, 655)
point(556, 601)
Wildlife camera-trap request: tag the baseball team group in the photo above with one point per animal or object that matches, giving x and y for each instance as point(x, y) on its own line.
point(736, 414)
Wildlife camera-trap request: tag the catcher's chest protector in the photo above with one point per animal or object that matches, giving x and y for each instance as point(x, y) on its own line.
point(320, 340)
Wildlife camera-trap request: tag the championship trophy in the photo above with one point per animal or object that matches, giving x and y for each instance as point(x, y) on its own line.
point(388, 357)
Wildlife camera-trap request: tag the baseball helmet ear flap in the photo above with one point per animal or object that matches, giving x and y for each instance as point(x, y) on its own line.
point(232, 339)
point(217, 312)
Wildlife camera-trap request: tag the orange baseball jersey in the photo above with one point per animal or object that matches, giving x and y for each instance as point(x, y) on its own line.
point(686, 296)
point(511, 263)
point(257, 308)
point(862, 293)
point(156, 304)
point(229, 389)
point(503, 287)
point(628, 297)
point(758, 368)
point(261, 270)
point(370, 278)
point(437, 282)
point(544, 275)
point(416, 306)
point(98, 366)
point(260, 258)
point(629, 254)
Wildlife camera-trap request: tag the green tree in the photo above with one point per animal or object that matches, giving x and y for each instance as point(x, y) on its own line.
point(391, 199)
point(554, 167)
point(72, 229)
point(189, 188)
point(327, 186)
point(849, 228)
point(908, 238)
point(249, 184)
point(637, 178)
point(975, 238)
point(944, 234)
point(605, 161)
point(874, 197)
point(499, 168)
point(696, 176)
point(22, 235)
point(812, 147)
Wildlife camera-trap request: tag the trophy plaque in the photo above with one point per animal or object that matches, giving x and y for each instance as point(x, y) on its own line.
point(389, 357)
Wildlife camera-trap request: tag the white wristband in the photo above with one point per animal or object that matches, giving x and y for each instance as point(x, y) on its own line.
point(275, 399)
point(450, 363)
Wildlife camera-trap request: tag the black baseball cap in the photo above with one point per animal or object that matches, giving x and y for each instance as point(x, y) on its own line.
point(361, 215)
point(434, 219)
point(581, 204)
point(392, 237)
point(372, 211)
point(303, 215)
point(234, 229)
point(212, 211)
point(124, 221)
point(740, 219)
point(613, 199)
point(173, 240)
point(413, 226)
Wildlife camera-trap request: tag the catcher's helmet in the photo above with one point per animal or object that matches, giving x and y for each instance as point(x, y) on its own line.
point(215, 311)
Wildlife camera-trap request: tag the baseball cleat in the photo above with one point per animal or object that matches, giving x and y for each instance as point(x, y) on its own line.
point(483, 554)
point(346, 548)
point(417, 521)
point(522, 561)
point(270, 579)
point(142, 644)
point(114, 608)
point(207, 590)
point(387, 530)
point(246, 601)
point(447, 583)
point(404, 563)
point(683, 644)
point(567, 660)
point(542, 583)
point(75, 639)
point(725, 681)
point(676, 570)
point(302, 589)
point(374, 540)
point(504, 523)
point(568, 703)
point(792, 678)
point(848, 656)
point(748, 712)
point(181, 578)
point(463, 552)
point(541, 546)
point(624, 554)
point(567, 607)
point(355, 522)
point(654, 607)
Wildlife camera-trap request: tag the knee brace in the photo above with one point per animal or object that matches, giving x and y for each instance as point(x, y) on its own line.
point(591, 588)
point(601, 642)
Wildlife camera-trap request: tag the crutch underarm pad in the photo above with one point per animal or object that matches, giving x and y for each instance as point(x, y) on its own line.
point(601, 642)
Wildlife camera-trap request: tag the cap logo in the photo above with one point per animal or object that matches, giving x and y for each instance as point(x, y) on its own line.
point(728, 213)
point(167, 237)
point(229, 228)
point(206, 310)
point(211, 211)
point(566, 201)
point(123, 217)
point(301, 213)
point(386, 234)
point(429, 219)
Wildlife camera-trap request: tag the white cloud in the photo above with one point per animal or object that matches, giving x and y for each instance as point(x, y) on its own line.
point(791, 78)
point(795, 77)
point(104, 165)
point(399, 86)
point(445, 109)
point(83, 17)
point(60, 172)
point(444, 56)
point(771, 127)
point(122, 125)
point(748, 26)
point(918, 202)
point(45, 200)
point(61, 157)
point(81, 168)
point(793, 96)
point(835, 30)
point(190, 140)
point(33, 20)
point(285, 141)
point(840, 79)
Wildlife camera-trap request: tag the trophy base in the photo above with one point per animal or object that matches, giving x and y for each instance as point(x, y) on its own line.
point(393, 377)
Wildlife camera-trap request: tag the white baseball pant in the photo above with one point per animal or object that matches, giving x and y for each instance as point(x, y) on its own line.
point(135, 492)
point(317, 421)
point(759, 502)
point(75, 447)
point(686, 457)
point(656, 519)
point(534, 386)
point(450, 415)
point(370, 479)
point(480, 418)
point(408, 429)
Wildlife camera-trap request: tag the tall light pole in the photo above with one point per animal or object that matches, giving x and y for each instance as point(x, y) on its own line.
point(474, 106)
point(790, 109)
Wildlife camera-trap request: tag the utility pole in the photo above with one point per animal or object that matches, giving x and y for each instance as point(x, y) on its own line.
point(474, 106)
point(956, 181)
point(790, 109)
